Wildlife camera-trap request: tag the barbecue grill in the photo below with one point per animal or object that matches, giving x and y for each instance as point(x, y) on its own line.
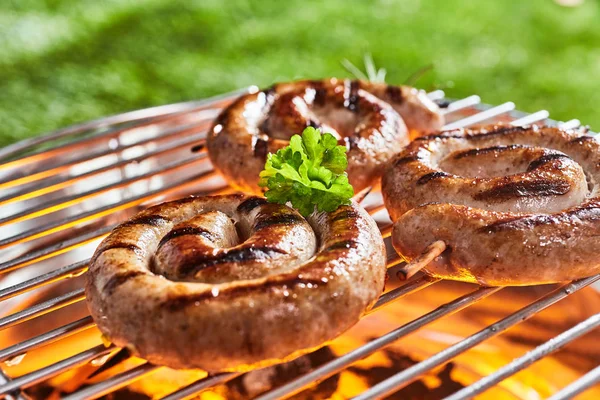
point(63, 192)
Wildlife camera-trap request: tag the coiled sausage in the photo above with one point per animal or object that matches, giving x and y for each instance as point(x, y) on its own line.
point(226, 282)
point(372, 120)
point(514, 205)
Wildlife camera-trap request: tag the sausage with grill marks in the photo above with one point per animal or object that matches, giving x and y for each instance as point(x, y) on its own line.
point(514, 205)
point(372, 120)
point(227, 282)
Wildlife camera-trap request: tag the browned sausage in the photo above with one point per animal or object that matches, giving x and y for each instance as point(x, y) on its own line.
point(514, 205)
point(356, 112)
point(225, 282)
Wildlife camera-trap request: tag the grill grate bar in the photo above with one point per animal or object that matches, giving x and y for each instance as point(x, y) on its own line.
point(46, 338)
point(54, 250)
point(406, 289)
point(481, 116)
point(461, 104)
point(113, 383)
point(200, 385)
point(64, 202)
point(102, 211)
point(579, 386)
point(56, 169)
point(405, 377)
point(436, 95)
point(42, 374)
point(68, 271)
point(140, 117)
point(531, 118)
point(336, 365)
point(51, 185)
point(523, 362)
point(42, 308)
point(17, 395)
point(570, 124)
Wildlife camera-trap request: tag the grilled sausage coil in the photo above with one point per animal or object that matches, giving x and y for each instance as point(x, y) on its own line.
point(373, 121)
point(227, 282)
point(514, 205)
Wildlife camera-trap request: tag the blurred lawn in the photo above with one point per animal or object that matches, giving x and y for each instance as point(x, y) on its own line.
point(68, 61)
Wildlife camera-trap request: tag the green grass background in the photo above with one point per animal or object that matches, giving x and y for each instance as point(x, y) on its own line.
point(68, 61)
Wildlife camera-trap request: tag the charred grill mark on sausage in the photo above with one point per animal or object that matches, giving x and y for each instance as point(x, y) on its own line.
point(394, 93)
point(405, 160)
point(248, 205)
point(486, 150)
point(497, 131)
point(432, 175)
point(344, 215)
point(537, 188)
point(583, 139)
point(152, 220)
point(119, 279)
point(117, 245)
point(443, 135)
point(260, 147)
point(342, 245)
point(193, 265)
point(586, 213)
point(186, 230)
point(465, 134)
point(546, 159)
point(198, 147)
point(281, 219)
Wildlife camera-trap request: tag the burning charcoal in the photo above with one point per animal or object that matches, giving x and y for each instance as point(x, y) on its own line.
point(417, 390)
point(259, 381)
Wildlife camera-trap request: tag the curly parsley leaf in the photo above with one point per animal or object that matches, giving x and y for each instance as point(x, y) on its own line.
point(309, 172)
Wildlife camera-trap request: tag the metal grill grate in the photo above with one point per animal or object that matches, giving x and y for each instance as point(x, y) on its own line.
point(61, 193)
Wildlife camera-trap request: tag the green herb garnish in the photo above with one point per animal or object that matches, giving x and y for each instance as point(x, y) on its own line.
point(309, 172)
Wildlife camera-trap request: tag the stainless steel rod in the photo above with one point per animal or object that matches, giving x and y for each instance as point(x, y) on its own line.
point(404, 290)
point(408, 375)
point(481, 116)
point(42, 374)
point(53, 184)
point(99, 212)
point(17, 394)
point(326, 370)
point(113, 383)
point(42, 308)
point(523, 362)
point(53, 170)
point(200, 385)
point(46, 338)
point(54, 249)
point(461, 104)
point(531, 118)
point(67, 201)
point(579, 386)
point(67, 271)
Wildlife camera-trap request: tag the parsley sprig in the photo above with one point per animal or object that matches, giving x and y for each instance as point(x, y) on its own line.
point(309, 172)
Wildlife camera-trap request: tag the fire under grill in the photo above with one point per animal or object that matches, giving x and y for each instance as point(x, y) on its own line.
point(60, 194)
